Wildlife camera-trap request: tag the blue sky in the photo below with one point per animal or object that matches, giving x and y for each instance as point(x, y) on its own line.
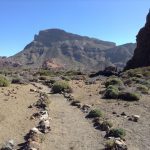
point(113, 20)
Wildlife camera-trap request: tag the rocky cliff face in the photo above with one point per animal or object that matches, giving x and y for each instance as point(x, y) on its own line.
point(141, 57)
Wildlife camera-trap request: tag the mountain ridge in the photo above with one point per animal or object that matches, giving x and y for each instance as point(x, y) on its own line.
point(71, 51)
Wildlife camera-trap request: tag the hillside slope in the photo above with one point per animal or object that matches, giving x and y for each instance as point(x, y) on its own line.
point(119, 55)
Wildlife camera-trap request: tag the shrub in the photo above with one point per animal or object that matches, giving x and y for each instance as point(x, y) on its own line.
point(129, 96)
point(107, 123)
point(95, 113)
point(137, 80)
point(61, 86)
point(3, 82)
point(139, 75)
point(113, 81)
point(144, 89)
point(110, 144)
point(118, 132)
point(146, 73)
point(111, 92)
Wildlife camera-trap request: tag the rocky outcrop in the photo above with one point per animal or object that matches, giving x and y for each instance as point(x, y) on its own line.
point(52, 64)
point(141, 57)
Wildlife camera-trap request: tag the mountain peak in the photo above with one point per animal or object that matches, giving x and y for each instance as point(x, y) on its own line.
point(54, 35)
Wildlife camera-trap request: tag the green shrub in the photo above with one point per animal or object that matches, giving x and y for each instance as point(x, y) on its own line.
point(118, 132)
point(111, 92)
point(129, 96)
point(146, 73)
point(136, 79)
point(107, 123)
point(139, 75)
point(3, 82)
point(61, 86)
point(144, 89)
point(95, 113)
point(110, 145)
point(113, 81)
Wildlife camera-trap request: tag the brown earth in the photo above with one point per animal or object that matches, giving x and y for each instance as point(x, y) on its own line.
point(14, 112)
point(138, 133)
point(69, 127)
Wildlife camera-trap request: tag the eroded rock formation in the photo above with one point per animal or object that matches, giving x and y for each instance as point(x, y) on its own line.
point(141, 57)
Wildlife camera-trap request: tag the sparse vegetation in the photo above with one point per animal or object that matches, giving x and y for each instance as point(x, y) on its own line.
point(4, 81)
point(107, 123)
point(143, 89)
point(143, 72)
point(95, 113)
point(129, 96)
point(61, 86)
point(111, 92)
point(110, 144)
point(114, 81)
point(117, 132)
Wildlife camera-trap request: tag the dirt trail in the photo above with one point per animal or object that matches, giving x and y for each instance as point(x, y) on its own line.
point(70, 129)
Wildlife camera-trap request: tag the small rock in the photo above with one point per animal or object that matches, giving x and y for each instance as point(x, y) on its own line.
point(44, 126)
point(66, 95)
point(136, 118)
point(85, 108)
point(9, 145)
point(30, 106)
point(114, 112)
point(76, 103)
point(32, 145)
point(33, 90)
point(120, 145)
point(123, 114)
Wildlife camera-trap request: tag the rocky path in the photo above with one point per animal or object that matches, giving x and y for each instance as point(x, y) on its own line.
point(69, 128)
